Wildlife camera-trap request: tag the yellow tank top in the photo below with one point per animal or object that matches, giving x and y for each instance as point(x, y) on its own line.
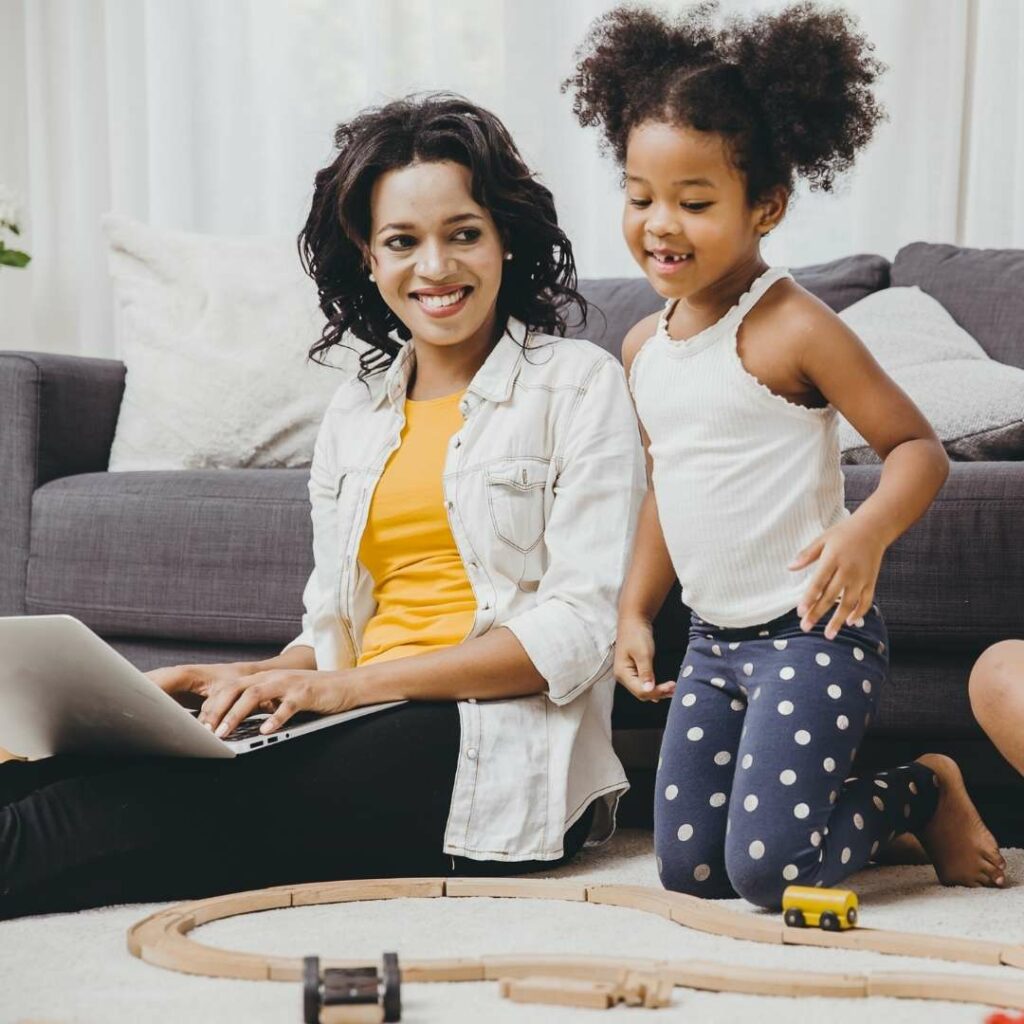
point(424, 598)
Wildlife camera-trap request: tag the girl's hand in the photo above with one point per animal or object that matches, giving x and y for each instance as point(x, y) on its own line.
point(634, 661)
point(284, 691)
point(849, 559)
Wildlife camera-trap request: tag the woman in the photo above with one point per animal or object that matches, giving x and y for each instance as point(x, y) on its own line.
point(474, 492)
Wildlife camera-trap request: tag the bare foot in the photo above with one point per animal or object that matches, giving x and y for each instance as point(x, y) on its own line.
point(904, 849)
point(956, 840)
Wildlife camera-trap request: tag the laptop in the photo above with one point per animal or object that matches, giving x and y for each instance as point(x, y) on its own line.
point(64, 690)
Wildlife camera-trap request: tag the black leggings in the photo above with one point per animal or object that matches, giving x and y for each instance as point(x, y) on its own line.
point(366, 799)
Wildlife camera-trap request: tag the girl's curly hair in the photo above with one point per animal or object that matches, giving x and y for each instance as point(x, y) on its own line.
point(789, 91)
point(537, 287)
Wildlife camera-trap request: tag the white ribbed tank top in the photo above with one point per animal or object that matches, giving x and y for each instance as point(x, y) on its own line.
point(744, 478)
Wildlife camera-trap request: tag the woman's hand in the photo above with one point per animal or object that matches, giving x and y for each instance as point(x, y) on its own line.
point(634, 660)
point(284, 691)
point(198, 679)
point(849, 559)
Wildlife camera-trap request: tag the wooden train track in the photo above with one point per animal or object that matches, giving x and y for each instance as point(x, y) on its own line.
point(163, 939)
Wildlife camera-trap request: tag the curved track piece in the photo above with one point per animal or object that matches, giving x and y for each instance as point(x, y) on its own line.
point(162, 939)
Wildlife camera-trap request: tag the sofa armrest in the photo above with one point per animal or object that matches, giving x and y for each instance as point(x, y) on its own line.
point(58, 419)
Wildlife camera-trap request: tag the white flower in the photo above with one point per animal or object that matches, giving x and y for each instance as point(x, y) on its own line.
point(10, 208)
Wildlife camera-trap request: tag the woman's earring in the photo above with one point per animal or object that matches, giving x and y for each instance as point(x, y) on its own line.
point(371, 277)
point(508, 256)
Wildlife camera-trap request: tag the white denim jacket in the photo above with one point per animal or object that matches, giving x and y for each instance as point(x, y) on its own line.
point(542, 485)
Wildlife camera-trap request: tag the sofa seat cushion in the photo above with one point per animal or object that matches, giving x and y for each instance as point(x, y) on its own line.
point(206, 555)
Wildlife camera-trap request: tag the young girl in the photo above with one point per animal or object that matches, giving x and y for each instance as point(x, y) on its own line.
point(737, 385)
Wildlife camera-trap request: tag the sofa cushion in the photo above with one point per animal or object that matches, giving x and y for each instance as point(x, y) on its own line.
point(983, 289)
point(974, 403)
point(214, 556)
point(617, 303)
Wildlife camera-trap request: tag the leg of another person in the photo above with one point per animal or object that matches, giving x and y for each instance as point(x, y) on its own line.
point(695, 774)
point(997, 698)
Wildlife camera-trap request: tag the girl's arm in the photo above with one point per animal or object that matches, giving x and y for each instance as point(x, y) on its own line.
point(650, 575)
point(915, 466)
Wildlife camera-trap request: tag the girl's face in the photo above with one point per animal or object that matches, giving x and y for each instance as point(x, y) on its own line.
point(686, 218)
point(437, 255)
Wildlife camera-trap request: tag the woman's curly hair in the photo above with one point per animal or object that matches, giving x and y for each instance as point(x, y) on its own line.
point(789, 91)
point(537, 287)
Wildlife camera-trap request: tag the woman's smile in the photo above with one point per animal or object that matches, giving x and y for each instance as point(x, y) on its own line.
point(442, 301)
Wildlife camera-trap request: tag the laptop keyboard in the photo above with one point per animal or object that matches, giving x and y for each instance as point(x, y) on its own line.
point(250, 727)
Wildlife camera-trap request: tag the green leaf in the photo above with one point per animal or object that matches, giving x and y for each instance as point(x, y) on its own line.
point(14, 228)
point(13, 258)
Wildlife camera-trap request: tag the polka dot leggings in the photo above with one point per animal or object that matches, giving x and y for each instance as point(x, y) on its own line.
point(752, 790)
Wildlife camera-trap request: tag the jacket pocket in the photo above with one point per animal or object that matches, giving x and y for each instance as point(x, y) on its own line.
point(515, 498)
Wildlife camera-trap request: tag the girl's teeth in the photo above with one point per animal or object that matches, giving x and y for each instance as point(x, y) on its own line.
point(439, 301)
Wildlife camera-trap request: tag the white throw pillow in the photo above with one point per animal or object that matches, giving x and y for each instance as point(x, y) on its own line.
point(214, 334)
point(974, 403)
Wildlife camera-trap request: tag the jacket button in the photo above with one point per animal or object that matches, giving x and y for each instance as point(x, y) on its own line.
point(471, 753)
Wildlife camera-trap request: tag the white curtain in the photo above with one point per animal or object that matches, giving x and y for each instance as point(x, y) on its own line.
point(213, 116)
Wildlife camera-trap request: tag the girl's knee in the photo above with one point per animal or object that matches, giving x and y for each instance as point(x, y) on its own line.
point(693, 876)
point(761, 878)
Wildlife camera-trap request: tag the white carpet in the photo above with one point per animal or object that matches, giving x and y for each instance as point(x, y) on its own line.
point(74, 967)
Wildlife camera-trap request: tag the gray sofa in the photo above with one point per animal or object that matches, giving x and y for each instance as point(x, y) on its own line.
point(209, 565)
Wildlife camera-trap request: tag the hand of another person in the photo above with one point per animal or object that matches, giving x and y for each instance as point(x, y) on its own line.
point(282, 691)
point(849, 559)
point(634, 661)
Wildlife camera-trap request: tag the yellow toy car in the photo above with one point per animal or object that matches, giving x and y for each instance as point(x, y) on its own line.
point(832, 910)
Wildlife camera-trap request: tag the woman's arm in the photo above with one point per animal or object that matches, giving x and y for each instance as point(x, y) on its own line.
point(488, 667)
point(849, 556)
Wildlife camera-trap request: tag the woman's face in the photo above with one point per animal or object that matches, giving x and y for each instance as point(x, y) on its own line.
point(686, 218)
point(436, 254)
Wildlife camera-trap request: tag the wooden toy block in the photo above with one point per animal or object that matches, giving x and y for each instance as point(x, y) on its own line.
point(236, 903)
point(595, 995)
point(443, 970)
point(934, 947)
point(645, 988)
point(704, 916)
point(370, 889)
point(370, 1013)
point(516, 888)
point(764, 981)
point(632, 897)
point(1012, 956)
point(661, 995)
point(954, 988)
